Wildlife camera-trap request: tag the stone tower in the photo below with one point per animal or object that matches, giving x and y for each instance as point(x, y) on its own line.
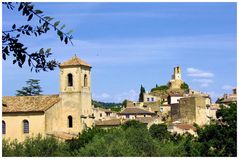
point(75, 92)
point(176, 81)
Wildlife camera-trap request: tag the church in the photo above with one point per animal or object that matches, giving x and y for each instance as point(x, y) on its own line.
point(63, 115)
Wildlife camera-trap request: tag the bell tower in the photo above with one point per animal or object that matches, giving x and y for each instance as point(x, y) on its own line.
point(75, 93)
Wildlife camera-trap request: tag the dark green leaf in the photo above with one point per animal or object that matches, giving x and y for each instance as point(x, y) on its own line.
point(66, 40)
point(41, 51)
point(18, 35)
point(27, 33)
point(4, 56)
point(37, 11)
point(20, 7)
point(14, 61)
point(63, 26)
point(14, 26)
point(30, 17)
point(56, 23)
point(48, 50)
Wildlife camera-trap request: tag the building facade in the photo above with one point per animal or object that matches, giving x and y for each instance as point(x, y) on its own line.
point(66, 113)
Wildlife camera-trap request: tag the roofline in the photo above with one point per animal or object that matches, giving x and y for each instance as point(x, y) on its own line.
point(68, 66)
point(40, 111)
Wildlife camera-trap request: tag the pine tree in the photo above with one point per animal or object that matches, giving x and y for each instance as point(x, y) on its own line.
point(32, 88)
point(141, 95)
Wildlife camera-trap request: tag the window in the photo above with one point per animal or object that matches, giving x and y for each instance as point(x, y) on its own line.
point(25, 127)
point(127, 116)
point(100, 114)
point(3, 127)
point(152, 99)
point(85, 81)
point(70, 122)
point(70, 79)
point(147, 99)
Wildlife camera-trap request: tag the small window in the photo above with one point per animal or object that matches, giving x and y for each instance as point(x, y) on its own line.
point(70, 79)
point(3, 127)
point(70, 122)
point(100, 114)
point(25, 127)
point(152, 99)
point(85, 81)
point(147, 99)
point(127, 116)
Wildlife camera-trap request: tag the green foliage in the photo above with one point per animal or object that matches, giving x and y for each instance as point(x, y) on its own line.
point(12, 45)
point(159, 131)
point(32, 88)
point(220, 139)
point(37, 146)
point(160, 88)
point(84, 138)
point(106, 105)
point(141, 94)
point(185, 86)
point(134, 139)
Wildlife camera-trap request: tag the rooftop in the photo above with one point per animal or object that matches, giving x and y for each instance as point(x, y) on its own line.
point(134, 110)
point(110, 122)
point(74, 61)
point(28, 103)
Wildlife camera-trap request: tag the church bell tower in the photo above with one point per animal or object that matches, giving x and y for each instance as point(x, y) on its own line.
point(75, 93)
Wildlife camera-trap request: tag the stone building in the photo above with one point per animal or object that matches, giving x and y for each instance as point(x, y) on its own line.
point(67, 113)
point(176, 81)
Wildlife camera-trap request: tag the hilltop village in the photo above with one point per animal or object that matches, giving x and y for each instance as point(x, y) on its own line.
point(66, 114)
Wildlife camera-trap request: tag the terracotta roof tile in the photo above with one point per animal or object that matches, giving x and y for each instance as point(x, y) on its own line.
point(74, 61)
point(134, 110)
point(110, 122)
point(186, 127)
point(28, 103)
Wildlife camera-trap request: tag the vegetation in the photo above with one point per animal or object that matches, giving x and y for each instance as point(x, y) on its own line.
point(185, 86)
point(11, 45)
point(141, 94)
point(33, 88)
point(134, 139)
point(160, 88)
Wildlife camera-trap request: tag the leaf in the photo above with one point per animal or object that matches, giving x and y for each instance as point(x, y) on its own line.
point(14, 61)
point(48, 50)
point(63, 26)
point(41, 51)
point(61, 37)
point(27, 32)
point(4, 56)
point(30, 17)
point(20, 7)
point(59, 33)
point(37, 11)
point(69, 32)
point(14, 26)
point(18, 35)
point(56, 23)
point(66, 40)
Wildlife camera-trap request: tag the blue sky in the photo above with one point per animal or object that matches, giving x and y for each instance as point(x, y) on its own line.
point(129, 44)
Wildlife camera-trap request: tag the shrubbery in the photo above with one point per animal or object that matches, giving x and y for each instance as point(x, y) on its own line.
point(134, 139)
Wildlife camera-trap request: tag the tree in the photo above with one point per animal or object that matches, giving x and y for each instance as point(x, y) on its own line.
point(159, 131)
point(32, 88)
point(141, 94)
point(11, 44)
point(185, 86)
point(220, 139)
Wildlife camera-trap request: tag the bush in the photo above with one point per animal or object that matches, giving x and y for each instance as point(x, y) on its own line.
point(160, 88)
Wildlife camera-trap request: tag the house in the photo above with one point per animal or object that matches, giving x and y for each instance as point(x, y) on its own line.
point(103, 114)
point(182, 129)
point(65, 114)
point(134, 112)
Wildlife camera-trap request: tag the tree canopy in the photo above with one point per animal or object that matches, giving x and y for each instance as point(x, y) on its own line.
point(141, 94)
point(33, 88)
point(12, 46)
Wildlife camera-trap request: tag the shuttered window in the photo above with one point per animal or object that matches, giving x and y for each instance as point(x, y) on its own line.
point(25, 127)
point(3, 127)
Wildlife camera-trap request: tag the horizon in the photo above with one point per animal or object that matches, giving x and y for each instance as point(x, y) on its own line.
point(129, 44)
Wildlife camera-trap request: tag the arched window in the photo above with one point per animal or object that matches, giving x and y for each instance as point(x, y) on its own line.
point(25, 127)
point(85, 81)
point(70, 79)
point(3, 127)
point(70, 121)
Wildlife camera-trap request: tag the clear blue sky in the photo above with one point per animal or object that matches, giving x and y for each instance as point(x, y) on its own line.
point(129, 44)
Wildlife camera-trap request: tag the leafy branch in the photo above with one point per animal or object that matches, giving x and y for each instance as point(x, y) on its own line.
point(11, 45)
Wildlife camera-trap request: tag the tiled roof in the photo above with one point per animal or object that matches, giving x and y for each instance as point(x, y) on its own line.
point(145, 119)
point(62, 135)
point(74, 61)
point(110, 122)
point(186, 127)
point(102, 109)
point(28, 103)
point(134, 110)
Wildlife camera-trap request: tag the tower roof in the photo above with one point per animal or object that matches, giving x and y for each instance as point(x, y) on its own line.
point(74, 61)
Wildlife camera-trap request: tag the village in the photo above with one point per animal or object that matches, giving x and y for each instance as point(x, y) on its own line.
point(66, 114)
